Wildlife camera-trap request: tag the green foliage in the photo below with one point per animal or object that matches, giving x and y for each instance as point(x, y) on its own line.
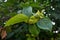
point(34, 30)
point(45, 24)
point(40, 14)
point(35, 19)
point(29, 38)
point(32, 21)
point(16, 19)
point(27, 11)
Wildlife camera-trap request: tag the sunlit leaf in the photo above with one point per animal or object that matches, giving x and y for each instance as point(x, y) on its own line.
point(33, 20)
point(16, 19)
point(40, 14)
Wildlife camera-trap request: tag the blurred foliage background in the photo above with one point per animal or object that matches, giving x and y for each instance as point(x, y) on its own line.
point(9, 8)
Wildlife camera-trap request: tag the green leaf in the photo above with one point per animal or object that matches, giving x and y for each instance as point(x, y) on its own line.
point(33, 20)
point(40, 14)
point(29, 38)
point(35, 17)
point(45, 24)
point(34, 30)
point(16, 19)
point(27, 11)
